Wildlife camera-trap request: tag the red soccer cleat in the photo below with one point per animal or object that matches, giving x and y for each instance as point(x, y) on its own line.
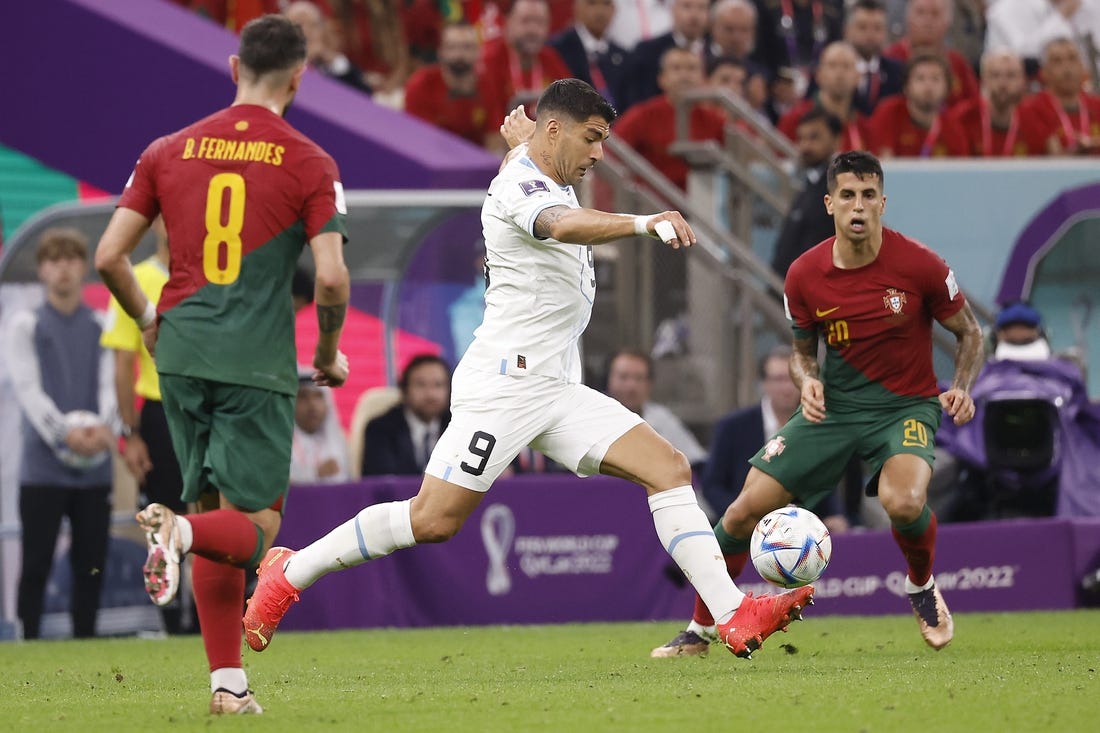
point(758, 618)
point(274, 595)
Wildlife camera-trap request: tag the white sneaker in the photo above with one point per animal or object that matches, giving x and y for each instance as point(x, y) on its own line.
point(225, 702)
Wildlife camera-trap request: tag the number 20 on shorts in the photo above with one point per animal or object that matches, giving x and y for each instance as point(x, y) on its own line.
point(224, 222)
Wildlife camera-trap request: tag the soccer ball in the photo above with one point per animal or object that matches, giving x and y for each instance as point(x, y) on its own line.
point(72, 459)
point(790, 547)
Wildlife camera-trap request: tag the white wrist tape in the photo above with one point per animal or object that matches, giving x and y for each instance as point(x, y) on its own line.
point(665, 231)
point(148, 316)
point(641, 225)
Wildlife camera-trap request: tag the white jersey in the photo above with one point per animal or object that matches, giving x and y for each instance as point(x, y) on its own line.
point(540, 293)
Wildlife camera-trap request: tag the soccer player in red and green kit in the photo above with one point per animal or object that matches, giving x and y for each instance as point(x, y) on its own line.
point(241, 193)
point(871, 294)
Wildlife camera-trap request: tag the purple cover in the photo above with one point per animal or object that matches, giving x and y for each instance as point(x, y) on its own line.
point(1060, 382)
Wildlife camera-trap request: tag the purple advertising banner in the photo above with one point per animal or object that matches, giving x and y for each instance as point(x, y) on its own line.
point(550, 549)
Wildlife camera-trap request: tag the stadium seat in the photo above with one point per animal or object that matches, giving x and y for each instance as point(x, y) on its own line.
point(372, 403)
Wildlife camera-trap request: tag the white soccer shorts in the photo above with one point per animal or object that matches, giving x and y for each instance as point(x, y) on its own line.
point(494, 416)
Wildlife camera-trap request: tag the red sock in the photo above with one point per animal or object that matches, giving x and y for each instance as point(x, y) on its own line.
point(225, 536)
point(734, 564)
point(919, 551)
point(219, 598)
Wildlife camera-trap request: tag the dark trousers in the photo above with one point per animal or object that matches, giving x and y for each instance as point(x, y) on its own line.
point(164, 485)
point(40, 510)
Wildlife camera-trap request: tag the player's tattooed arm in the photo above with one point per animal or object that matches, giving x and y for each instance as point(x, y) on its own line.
point(804, 364)
point(330, 318)
point(544, 222)
point(969, 352)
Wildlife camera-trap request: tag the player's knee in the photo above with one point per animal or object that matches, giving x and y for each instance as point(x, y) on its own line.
point(679, 469)
point(432, 530)
point(902, 509)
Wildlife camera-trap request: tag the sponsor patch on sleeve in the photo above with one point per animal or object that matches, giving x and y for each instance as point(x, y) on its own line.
point(530, 188)
point(341, 202)
point(952, 285)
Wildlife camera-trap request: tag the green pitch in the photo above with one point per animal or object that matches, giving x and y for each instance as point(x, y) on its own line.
point(1003, 672)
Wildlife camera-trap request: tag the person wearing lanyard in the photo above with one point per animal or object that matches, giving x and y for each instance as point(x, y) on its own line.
point(837, 79)
point(993, 124)
point(519, 65)
point(1070, 118)
point(914, 124)
point(792, 33)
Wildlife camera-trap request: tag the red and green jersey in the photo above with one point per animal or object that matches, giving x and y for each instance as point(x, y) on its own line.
point(876, 320)
point(241, 192)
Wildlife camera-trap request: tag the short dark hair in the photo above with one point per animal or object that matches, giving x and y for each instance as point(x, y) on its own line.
point(418, 361)
point(577, 99)
point(928, 57)
point(271, 43)
point(633, 354)
point(719, 61)
point(874, 6)
point(62, 243)
point(836, 127)
point(780, 351)
point(859, 162)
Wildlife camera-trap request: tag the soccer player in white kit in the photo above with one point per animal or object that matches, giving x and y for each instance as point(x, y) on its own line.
point(519, 384)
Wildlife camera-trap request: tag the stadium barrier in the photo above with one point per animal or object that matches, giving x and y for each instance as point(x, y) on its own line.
point(555, 548)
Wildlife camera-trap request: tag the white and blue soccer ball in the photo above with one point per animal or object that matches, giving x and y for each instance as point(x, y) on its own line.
point(72, 459)
point(790, 547)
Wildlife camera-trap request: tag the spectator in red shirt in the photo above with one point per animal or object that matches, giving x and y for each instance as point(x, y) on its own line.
point(451, 94)
point(520, 65)
point(993, 124)
point(1069, 117)
point(837, 80)
point(926, 26)
point(650, 126)
point(915, 123)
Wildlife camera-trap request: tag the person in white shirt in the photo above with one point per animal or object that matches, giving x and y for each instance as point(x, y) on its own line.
point(1027, 26)
point(630, 381)
point(319, 453)
point(639, 20)
point(519, 384)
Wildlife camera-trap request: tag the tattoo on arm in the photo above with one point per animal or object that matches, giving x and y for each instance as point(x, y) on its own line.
point(969, 352)
point(804, 364)
point(545, 221)
point(330, 318)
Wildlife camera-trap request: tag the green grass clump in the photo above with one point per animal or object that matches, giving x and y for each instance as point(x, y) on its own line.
point(1003, 672)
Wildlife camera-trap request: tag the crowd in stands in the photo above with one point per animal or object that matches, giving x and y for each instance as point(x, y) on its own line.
point(925, 78)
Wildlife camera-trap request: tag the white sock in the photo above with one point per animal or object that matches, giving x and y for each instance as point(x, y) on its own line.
point(911, 587)
point(374, 532)
point(707, 632)
point(689, 538)
point(187, 534)
point(229, 678)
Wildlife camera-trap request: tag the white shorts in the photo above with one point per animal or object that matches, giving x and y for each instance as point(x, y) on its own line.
point(494, 416)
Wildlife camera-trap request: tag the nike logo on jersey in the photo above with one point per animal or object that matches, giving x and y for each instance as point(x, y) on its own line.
point(822, 313)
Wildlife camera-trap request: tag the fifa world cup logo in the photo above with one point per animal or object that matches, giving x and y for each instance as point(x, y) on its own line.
point(498, 529)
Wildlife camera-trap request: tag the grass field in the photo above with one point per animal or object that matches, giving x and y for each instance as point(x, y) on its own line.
point(1003, 672)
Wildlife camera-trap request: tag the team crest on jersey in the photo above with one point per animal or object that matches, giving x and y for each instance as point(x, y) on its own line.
point(774, 447)
point(894, 300)
point(530, 188)
point(521, 361)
